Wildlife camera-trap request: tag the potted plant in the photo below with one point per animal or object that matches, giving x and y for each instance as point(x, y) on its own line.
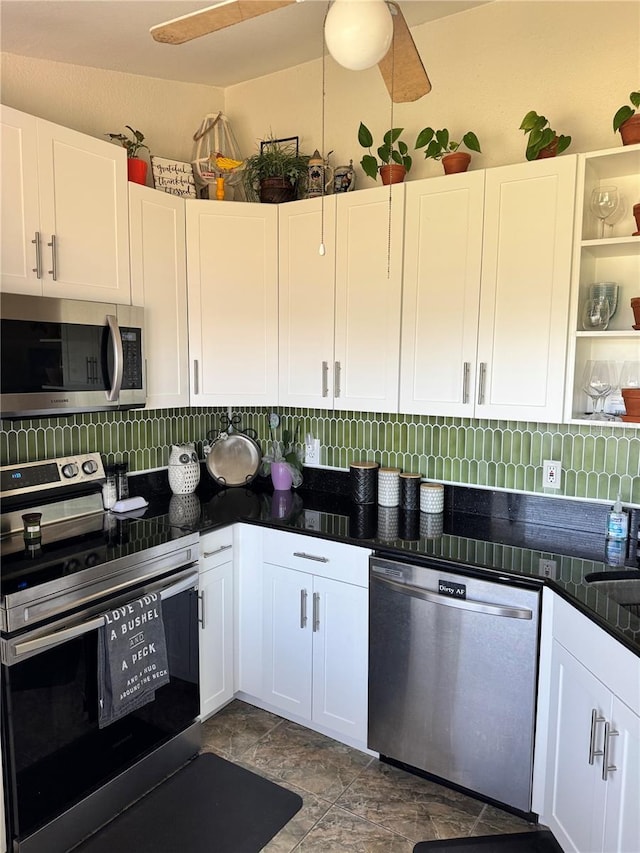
point(627, 121)
point(277, 173)
point(543, 141)
point(395, 160)
point(283, 461)
point(136, 166)
point(438, 145)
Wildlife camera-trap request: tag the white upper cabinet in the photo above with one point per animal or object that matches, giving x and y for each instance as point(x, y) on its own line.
point(526, 270)
point(340, 312)
point(159, 283)
point(64, 212)
point(369, 246)
point(232, 270)
point(441, 293)
point(307, 302)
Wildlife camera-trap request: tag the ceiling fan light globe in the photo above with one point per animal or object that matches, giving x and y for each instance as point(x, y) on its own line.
point(358, 33)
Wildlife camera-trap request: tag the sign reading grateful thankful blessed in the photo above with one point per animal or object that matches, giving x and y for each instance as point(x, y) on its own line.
point(173, 177)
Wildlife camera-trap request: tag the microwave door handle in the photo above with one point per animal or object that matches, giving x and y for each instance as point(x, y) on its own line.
point(48, 641)
point(118, 358)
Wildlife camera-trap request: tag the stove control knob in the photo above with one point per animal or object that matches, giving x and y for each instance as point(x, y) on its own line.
point(90, 466)
point(70, 470)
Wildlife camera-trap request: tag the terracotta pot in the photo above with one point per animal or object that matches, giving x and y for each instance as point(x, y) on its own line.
point(392, 173)
point(636, 216)
point(137, 170)
point(635, 307)
point(549, 150)
point(276, 190)
point(630, 130)
point(456, 162)
point(631, 397)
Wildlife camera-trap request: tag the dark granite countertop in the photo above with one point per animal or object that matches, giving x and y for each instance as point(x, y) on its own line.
point(519, 537)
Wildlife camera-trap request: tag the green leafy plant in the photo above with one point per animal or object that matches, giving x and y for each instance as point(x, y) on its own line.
point(541, 135)
point(392, 150)
point(625, 112)
point(276, 159)
point(438, 143)
point(133, 145)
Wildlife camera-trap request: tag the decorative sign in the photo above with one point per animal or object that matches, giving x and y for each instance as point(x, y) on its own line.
point(173, 177)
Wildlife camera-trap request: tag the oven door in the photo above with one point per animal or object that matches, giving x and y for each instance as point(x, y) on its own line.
point(56, 757)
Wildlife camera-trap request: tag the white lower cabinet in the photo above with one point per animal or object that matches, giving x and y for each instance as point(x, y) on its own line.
point(592, 759)
point(303, 630)
point(216, 621)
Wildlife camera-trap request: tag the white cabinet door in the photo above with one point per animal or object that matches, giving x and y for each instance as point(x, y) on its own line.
point(232, 272)
point(67, 192)
point(21, 257)
point(216, 638)
point(369, 237)
point(575, 797)
point(340, 657)
point(526, 267)
point(287, 638)
point(307, 302)
point(622, 816)
point(441, 292)
point(159, 283)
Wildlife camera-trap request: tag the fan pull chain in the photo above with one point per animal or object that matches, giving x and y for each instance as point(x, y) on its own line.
point(393, 75)
point(321, 249)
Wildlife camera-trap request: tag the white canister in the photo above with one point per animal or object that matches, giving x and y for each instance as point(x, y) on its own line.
point(431, 497)
point(388, 486)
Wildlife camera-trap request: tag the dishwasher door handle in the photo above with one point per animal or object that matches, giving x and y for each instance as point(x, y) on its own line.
point(457, 603)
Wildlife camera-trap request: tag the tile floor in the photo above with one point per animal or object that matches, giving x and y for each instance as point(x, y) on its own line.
point(351, 801)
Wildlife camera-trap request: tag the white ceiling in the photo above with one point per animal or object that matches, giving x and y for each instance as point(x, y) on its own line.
point(114, 35)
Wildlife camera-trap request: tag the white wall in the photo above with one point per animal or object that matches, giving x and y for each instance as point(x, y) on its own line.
point(97, 102)
point(488, 66)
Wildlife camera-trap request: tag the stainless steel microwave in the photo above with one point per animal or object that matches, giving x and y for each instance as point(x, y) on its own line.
point(62, 356)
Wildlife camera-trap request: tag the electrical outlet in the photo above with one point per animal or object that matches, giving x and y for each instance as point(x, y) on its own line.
point(551, 474)
point(311, 519)
point(548, 568)
point(312, 452)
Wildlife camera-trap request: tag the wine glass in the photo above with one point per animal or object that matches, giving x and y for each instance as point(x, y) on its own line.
point(596, 383)
point(596, 313)
point(617, 215)
point(604, 202)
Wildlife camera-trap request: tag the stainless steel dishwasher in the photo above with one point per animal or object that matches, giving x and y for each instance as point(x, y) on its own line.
point(452, 676)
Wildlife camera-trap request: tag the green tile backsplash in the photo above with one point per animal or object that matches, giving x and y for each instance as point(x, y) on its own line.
point(598, 461)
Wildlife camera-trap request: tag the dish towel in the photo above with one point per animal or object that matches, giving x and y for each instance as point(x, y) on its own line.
point(132, 658)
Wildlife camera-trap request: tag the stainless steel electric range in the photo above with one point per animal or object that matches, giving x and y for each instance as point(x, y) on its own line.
point(64, 775)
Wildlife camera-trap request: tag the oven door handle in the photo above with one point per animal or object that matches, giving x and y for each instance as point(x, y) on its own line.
point(48, 641)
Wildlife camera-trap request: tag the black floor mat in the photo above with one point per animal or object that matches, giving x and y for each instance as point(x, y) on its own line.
point(540, 841)
point(209, 805)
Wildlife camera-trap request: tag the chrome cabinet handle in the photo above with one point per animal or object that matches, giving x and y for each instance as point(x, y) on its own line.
point(465, 381)
point(217, 551)
point(310, 557)
point(325, 378)
point(595, 719)
point(53, 272)
point(336, 379)
point(201, 608)
point(38, 267)
point(118, 357)
point(606, 767)
point(196, 382)
point(316, 611)
point(303, 608)
point(481, 382)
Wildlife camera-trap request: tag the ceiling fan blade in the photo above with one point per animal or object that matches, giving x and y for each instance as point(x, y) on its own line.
point(402, 68)
point(188, 27)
